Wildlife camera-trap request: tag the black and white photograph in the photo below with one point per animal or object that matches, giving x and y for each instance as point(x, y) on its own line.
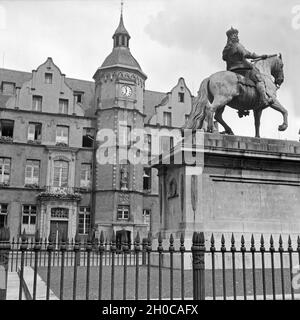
point(150, 151)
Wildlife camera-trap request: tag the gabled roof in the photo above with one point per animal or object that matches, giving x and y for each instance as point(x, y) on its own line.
point(151, 100)
point(20, 77)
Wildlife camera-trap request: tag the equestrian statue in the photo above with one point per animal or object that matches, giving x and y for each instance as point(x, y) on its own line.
point(244, 86)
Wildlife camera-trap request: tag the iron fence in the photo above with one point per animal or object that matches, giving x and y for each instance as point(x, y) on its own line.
point(153, 268)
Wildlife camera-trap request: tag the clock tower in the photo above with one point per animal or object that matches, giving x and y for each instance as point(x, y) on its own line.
point(119, 97)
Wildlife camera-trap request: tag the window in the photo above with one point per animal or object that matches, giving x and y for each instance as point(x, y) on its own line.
point(32, 172)
point(88, 137)
point(186, 117)
point(48, 78)
point(147, 179)
point(4, 170)
point(63, 106)
point(166, 144)
point(146, 215)
point(37, 103)
point(85, 176)
point(3, 214)
point(78, 96)
point(61, 174)
point(84, 220)
point(8, 88)
point(34, 132)
point(6, 128)
point(28, 218)
point(167, 119)
point(62, 135)
point(123, 213)
point(180, 96)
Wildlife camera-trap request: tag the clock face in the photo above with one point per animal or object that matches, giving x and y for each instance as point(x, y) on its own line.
point(126, 91)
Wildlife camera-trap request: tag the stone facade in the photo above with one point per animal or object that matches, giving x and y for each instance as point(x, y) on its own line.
point(48, 98)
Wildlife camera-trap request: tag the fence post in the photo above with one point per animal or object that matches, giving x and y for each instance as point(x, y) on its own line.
point(144, 246)
point(198, 252)
point(4, 259)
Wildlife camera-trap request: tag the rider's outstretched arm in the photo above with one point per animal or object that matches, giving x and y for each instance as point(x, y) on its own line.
point(250, 55)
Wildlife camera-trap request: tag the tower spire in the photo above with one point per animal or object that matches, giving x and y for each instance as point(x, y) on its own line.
point(122, 4)
point(121, 36)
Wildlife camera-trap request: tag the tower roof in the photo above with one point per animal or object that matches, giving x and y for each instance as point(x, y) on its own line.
point(121, 56)
point(121, 28)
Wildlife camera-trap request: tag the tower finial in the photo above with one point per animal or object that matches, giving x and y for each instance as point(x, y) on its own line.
point(122, 4)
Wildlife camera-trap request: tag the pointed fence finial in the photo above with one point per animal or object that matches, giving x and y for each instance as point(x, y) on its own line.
point(290, 248)
point(252, 248)
point(232, 248)
point(182, 247)
point(223, 248)
point(262, 243)
point(137, 239)
point(280, 244)
point(243, 248)
point(102, 237)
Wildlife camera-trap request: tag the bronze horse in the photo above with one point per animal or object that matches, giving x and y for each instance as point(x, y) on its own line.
point(234, 90)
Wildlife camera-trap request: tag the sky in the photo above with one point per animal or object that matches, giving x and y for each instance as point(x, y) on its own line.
point(169, 38)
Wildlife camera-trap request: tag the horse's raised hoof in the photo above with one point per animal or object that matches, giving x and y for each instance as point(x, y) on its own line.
point(282, 127)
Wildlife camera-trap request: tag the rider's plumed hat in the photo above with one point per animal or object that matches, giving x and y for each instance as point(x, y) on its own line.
point(231, 32)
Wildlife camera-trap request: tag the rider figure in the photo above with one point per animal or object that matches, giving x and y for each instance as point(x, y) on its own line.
point(235, 56)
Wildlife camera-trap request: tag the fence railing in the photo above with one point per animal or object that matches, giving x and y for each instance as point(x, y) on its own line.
point(152, 268)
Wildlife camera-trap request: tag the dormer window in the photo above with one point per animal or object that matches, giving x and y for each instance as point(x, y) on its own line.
point(78, 96)
point(8, 88)
point(48, 78)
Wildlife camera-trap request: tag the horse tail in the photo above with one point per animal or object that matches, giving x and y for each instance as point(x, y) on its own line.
point(198, 112)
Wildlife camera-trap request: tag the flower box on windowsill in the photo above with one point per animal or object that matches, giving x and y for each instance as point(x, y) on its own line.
point(6, 139)
point(61, 144)
point(4, 184)
point(34, 141)
point(32, 186)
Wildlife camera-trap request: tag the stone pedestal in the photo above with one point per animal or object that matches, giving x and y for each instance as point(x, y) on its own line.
point(239, 185)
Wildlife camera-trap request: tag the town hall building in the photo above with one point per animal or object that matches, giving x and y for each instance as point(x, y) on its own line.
point(50, 178)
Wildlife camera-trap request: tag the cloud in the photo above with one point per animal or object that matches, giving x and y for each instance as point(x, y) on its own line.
point(265, 27)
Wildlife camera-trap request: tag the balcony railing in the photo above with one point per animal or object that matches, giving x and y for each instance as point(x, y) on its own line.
point(63, 193)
